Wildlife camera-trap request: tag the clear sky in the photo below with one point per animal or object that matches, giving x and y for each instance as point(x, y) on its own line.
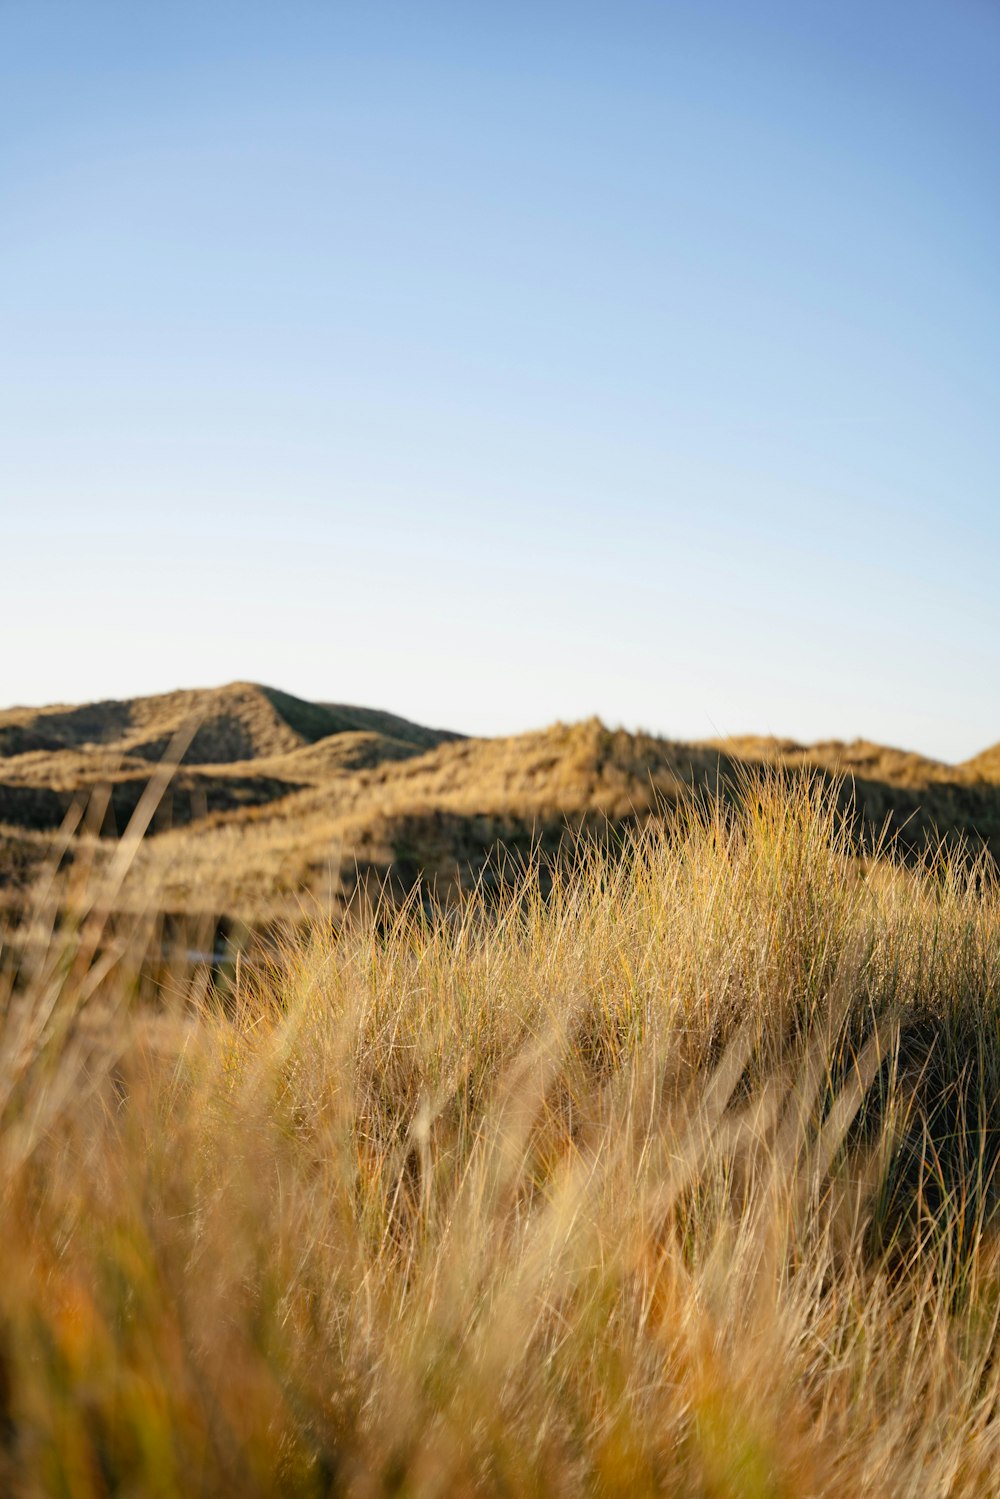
point(497, 363)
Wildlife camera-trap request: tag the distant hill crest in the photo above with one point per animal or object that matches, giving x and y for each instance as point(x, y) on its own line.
point(238, 722)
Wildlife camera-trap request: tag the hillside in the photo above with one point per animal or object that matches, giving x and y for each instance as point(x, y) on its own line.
point(672, 1176)
point(242, 721)
point(277, 799)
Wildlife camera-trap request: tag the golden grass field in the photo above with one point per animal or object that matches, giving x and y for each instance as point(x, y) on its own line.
point(281, 806)
point(672, 1172)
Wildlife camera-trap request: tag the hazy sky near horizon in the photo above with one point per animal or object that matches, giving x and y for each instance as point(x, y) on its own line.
point(499, 363)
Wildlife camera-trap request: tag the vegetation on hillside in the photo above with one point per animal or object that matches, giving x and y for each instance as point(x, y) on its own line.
point(675, 1176)
point(279, 803)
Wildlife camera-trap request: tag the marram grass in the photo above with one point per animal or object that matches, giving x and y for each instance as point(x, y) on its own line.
point(678, 1180)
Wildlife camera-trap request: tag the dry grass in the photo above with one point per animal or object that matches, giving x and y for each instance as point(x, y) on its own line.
point(279, 800)
point(678, 1180)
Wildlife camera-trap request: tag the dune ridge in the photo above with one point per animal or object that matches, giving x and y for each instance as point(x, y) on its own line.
point(277, 799)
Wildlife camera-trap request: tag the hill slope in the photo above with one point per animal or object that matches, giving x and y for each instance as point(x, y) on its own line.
point(277, 798)
point(242, 721)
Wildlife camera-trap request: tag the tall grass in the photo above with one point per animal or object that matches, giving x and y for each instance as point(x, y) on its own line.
point(678, 1179)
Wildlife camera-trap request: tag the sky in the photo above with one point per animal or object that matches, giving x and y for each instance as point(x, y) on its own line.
point(499, 363)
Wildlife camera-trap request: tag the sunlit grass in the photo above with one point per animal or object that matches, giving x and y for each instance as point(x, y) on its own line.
point(677, 1179)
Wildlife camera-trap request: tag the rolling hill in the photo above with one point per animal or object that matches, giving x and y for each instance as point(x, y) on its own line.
point(277, 800)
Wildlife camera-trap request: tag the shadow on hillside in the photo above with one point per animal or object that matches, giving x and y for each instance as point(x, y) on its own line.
point(186, 800)
point(216, 741)
point(98, 723)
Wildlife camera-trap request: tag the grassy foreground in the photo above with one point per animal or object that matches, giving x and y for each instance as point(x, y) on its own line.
point(679, 1180)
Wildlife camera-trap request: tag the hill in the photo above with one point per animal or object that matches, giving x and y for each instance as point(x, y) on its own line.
point(242, 721)
point(277, 799)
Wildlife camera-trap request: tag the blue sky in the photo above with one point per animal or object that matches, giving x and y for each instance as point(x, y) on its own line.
point(499, 363)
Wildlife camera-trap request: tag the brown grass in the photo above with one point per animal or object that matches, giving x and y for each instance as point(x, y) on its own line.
point(279, 801)
point(675, 1179)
